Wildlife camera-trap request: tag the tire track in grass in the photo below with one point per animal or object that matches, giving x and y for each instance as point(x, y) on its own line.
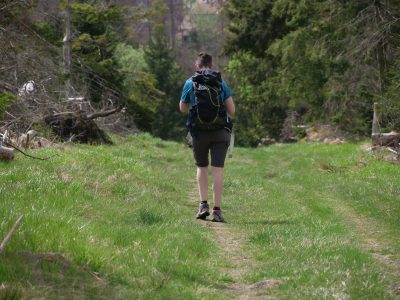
point(373, 239)
point(241, 263)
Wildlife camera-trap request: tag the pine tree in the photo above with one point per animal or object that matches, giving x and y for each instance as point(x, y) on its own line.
point(160, 58)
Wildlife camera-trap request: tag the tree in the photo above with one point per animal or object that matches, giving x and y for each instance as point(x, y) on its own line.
point(252, 29)
point(139, 84)
point(160, 59)
point(98, 30)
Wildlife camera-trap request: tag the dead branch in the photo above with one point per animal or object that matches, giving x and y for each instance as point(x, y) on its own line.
point(7, 238)
point(26, 154)
point(91, 116)
point(102, 113)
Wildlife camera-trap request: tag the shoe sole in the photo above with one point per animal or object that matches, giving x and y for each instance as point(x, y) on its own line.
point(203, 215)
point(219, 221)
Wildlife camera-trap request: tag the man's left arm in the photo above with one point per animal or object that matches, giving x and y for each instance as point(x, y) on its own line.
point(183, 106)
point(185, 98)
point(228, 100)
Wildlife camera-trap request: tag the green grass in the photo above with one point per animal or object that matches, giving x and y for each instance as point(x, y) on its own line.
point(121, 222)
point(119, 214)
point(301, 206)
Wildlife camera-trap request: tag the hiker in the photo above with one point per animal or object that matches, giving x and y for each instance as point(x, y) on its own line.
point(211, 107)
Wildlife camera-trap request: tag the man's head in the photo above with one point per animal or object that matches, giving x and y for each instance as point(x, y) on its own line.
point(203, 60)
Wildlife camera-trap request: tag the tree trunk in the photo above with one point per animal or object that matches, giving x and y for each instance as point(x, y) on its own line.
point(67, 50)
point(6, 153)
point(172, 17)
point(375, 120)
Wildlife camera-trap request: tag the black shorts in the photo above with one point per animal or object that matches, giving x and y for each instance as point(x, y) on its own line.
point(216, 142)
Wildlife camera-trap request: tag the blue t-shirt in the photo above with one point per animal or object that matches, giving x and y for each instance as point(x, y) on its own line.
point(188, 92)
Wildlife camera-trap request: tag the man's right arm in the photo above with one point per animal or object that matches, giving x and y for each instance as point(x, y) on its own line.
point(230, 106)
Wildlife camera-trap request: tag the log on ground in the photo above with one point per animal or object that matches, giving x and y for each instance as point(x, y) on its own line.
point(391, 139)
point(6, 153)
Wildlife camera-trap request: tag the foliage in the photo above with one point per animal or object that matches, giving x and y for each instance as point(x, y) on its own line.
point(169, 122)
point(99, 28)
point(140, 84)
point(51, 31)
point(12, 10)
point(5, 101)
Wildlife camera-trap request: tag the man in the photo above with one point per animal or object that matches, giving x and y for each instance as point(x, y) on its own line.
point(204, 141)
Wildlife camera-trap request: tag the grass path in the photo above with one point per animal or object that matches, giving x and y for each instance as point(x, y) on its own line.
point(239, 260)
point(324, 220)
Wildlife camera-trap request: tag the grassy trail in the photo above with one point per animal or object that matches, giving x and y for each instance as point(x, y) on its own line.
point(239, 261)
point(319, 215)
point(117, 222)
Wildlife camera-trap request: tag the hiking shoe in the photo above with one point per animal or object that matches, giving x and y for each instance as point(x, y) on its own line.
point(203, 212)
point(217, 216)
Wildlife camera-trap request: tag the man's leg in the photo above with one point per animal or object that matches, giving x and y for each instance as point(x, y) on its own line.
point(200, 152)
point(218, 153)
point(202, 182)
point(218, 184)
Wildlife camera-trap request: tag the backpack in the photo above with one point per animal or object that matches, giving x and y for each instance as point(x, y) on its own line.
point(209, 112)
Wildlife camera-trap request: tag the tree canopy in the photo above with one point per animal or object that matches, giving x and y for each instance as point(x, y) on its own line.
point(326, 60)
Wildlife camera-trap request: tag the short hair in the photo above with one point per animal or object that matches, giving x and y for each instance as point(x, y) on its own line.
point(204, 60)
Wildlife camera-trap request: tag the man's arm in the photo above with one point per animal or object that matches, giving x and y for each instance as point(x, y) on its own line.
point(230, 107)
point(183, 106)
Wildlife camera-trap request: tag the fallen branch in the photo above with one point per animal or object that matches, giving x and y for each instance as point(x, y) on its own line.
point(393, 151)
point(102, 113)
point(7, 238)
point(91, 116)
point(26, 154)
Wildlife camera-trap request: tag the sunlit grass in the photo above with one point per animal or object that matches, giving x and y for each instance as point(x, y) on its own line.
point(291, 208)
point(120, 215)
point(117, 222)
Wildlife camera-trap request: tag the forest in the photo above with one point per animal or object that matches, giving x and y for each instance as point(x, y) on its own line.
point(290, 64)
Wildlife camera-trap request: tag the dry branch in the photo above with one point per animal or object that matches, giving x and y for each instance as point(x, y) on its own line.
point(7, 238)
point(26, 154)
point(102, 113)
